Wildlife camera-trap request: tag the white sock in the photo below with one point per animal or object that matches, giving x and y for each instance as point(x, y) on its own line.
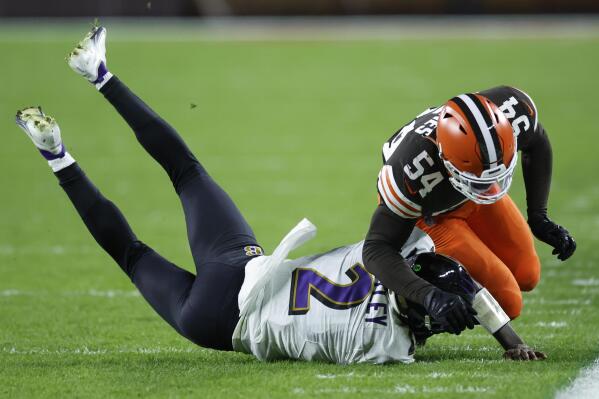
point(61, 163)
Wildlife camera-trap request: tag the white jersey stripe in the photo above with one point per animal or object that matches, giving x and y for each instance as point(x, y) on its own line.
point(397, 196)
point(396, 189)
point(392, 203)
point(483, 128)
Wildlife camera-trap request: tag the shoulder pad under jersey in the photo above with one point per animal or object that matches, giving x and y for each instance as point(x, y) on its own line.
point(425, 125)
point(394, 197)
point(517, 106)
point(412, 171)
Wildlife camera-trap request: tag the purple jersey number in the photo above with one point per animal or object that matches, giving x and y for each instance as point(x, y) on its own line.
point(307, 282)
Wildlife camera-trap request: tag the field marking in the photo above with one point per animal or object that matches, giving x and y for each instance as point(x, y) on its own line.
point(588, 282)
point(85, 351)
point(552, 324)
point(401, 389)
point(585, 386)
point(7, 249)
point(353, 375)
point(545, 312)
point(89, 293)
point(331, 376)
point(437, 374)
point(469, 348)
point(558, 302)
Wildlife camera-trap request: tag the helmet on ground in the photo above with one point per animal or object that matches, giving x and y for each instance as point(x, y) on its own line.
point(478, 147)
point(444, 273)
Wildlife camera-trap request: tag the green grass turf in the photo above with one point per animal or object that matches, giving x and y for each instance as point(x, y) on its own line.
point(290, 129)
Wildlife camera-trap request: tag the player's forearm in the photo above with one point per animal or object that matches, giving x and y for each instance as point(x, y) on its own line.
point(507, 337)
point(493, 318)
point(381, 254)
point(514, 346)
point(392, 270)
point(537, 163)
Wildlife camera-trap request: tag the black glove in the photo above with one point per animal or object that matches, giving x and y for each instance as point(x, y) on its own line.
point(553, 234)
point(451, 311)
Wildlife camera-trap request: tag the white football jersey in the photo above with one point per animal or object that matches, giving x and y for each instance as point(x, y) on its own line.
point(323, 307)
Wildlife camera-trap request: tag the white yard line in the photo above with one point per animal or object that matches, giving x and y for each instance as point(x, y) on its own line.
point(404, 389)
point(589, 282)
point(585, 386)
point(551, 324)
point(89, 293)
point(85, 351)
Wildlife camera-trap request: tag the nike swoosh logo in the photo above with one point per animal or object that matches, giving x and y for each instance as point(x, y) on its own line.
point(413, 192)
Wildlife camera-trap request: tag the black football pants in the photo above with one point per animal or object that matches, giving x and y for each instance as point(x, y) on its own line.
point(201, 307)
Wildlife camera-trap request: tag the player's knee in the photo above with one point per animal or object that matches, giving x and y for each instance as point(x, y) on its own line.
point(529, 281)
point(182, 176)
point(528, 272)
point(514, 309)
point(511, 302)
point(188, 328)
point(133, 253)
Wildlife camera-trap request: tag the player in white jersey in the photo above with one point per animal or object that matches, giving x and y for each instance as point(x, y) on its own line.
point(240, 299)
point(327, 307)
point(321, 307)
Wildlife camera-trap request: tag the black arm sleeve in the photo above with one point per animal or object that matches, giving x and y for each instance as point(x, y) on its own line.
point(382, 257)
point(507, 337)
point(537, 162)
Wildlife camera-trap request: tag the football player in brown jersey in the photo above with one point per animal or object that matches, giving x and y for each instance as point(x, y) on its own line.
point(448, 171)
point(223, 305)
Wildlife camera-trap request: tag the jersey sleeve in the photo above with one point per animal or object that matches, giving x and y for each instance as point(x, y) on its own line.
point(533, 143)
point(394, 197)
point(519, 109)
point(381, 254)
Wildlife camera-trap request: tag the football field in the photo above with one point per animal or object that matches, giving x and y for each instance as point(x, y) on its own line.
point(291, 129)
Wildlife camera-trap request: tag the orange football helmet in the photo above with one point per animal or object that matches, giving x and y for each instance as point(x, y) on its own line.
point(478, 147)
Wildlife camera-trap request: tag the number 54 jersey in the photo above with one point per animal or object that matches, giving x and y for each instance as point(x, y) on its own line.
point(323, 307)
point(414, 183)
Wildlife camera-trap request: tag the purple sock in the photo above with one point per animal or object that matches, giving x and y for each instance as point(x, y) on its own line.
point(102, 71)
point(50, 156)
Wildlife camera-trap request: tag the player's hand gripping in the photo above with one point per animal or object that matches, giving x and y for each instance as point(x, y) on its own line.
point(523, 352)
point(553, 234)
point(450, 310)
